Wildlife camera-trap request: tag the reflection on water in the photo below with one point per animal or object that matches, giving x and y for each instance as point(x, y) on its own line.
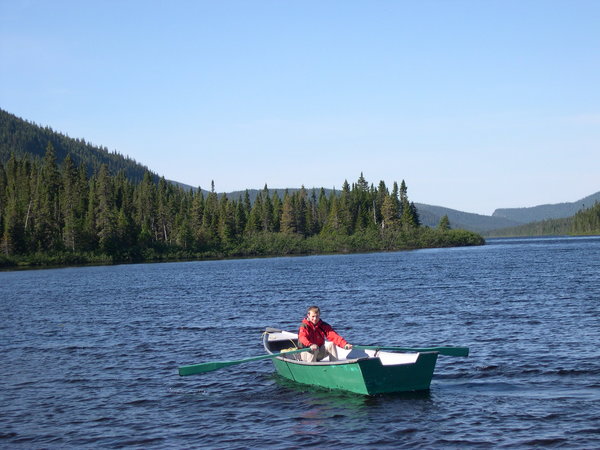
point(331, 397)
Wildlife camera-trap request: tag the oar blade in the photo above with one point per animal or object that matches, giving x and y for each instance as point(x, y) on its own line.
point(454, 351)
point(211, 366)
point(204, 367)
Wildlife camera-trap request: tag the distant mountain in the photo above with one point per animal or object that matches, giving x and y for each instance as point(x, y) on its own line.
point(504, 219)
point(431, 215)
point(252, 193)
point(544, 212)
point(23, 138)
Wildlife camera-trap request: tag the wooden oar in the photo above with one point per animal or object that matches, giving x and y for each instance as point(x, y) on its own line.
point(210, 366)
point(448, 351)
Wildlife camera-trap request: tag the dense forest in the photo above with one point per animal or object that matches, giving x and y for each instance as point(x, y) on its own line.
point(584, 222)
point(54, 213)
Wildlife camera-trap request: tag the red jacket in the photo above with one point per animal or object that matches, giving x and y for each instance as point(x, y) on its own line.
point(316, 334)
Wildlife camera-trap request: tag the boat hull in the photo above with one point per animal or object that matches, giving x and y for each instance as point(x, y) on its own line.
point(367, 376)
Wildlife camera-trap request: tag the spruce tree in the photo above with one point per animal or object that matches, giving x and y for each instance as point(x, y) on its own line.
point(210, 220)
point(240, 218)
point(46, 210)
point(266, 213)
point(226, 221)
point(256, 222)
point(389, 212)
point(105, 211)
point(444, 224)
point(288, 215)
point(301, 207)
point(69, 205)
point(277, 206)
point(322, 210)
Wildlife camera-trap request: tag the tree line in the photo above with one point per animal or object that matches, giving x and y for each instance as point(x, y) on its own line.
point(57, 214)
point(584, 222)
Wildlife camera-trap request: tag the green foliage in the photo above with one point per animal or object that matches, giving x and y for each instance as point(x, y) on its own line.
point(444, 224)
point(54, 214)
point(587, 221)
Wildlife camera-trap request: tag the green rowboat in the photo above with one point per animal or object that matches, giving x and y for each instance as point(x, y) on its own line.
point(362, 371)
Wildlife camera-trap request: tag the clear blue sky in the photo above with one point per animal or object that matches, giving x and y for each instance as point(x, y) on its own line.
point(477, 105)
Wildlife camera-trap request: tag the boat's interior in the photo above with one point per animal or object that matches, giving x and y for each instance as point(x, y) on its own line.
point(279, 341)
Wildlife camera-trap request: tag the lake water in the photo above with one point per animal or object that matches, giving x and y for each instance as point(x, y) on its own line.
point(89, 355)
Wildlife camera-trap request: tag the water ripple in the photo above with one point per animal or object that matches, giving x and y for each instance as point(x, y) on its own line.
point(90, 355)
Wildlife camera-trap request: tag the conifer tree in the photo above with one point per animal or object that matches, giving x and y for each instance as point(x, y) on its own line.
point(247, 204)
point(2, 197)
point(145, 210)
point(301, 208)
point(164, 214)
point(70, 203)
point(240, 217)
point(13, 239)
point(335, 223)
point(322, 210)
point(409, 218)
point(254, 223)
point(444, 224)
point(196, 217)
point(266, 213)
point(288, 215)
point(312, 226)
point(226, 221)
point(210, 220)
point(184, 232)
point(90, 235)
point(277, 211)
point(127, 231)
point(389, 212)
point(105, 212)
point(344, 210)
point(46, 210)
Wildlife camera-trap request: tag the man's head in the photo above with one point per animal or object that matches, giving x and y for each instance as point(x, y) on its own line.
point(313, 314)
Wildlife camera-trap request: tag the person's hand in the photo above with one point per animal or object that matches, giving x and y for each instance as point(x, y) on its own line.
point(348, 347)
point(314, 347)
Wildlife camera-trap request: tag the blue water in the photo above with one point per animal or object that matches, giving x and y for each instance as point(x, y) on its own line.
point(89, 356)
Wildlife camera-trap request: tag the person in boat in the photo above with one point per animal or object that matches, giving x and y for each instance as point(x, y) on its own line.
point(313, 332)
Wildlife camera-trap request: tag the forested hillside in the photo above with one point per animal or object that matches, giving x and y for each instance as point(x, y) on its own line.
point(544, 212)
point(54, 213)
point(25, 139)
point(431, 215)
point(585, 222)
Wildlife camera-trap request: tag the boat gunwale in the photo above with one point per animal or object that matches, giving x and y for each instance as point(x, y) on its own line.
point(349, 361)
point(324, 363)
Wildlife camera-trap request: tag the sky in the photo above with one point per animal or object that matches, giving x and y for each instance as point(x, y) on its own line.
point(477, 105)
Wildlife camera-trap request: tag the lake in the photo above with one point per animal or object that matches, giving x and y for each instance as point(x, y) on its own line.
point(90, 354)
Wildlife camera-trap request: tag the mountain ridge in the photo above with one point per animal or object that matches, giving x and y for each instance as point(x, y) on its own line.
point(547, 211)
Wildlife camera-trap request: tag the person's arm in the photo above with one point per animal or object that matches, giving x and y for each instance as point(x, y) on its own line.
point(332, 336)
